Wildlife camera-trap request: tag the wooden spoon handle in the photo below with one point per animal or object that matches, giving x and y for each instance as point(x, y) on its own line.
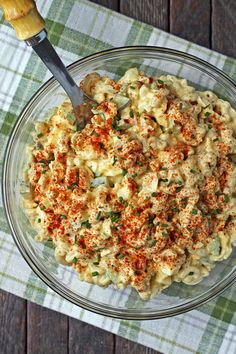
point(23, 16)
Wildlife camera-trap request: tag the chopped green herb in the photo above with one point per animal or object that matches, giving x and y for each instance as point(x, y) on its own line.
point(132, 87)
point(121, 199)
point(216, 139)
point(44, 171)
point(124, 172)
point(152, 243)
point(154, 194)
point(164, 234)
point(194, 211)
point(75, 260)
point(164, 225)
point(181, 106)
point(192, 171)
point(70, 117)
point(131, 113)
point(160, 82)
point(134, 175)
point(137, 272)
point(38, 146)
point(207, 114)
point(188, 229)
point(121, 255)
point(226, 198)
point(142, 163)
point(94, 274)
point(40, 135)
point(184, 202)
point(190, 273)
point(96, 263)
point(176, 210)
point(179, 182)
point(99, 214)
point(216, 211)
point(86, 224)
point(63, 216)
point(162, 128)
point(178, 189)
point(137, 114)
point(115, 218)
point(163, 168)
point(114, 160)
point(39, 220)
point(209, 126)
point(101, 145)
point(42, 207)
point(164, 180)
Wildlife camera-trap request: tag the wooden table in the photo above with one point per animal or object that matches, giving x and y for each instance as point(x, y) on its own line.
point(29, 328)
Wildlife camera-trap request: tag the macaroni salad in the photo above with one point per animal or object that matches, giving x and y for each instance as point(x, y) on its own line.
point(145, 194)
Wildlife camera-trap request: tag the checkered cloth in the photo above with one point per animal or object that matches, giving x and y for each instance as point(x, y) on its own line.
point(79, 28)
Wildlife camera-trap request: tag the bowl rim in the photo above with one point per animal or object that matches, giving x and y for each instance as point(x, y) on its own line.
point(84, 303)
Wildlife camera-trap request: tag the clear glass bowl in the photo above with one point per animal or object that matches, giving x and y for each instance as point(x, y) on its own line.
point(110, 302)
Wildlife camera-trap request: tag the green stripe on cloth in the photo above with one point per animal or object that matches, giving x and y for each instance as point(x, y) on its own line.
point(78, 28)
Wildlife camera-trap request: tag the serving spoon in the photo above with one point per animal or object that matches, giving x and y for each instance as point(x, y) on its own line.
point(29, 26)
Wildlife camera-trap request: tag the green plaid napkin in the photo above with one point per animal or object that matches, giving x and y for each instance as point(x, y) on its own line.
point(79, 28)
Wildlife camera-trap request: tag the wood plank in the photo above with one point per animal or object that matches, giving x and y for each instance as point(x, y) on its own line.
point(111, 4)
point(12, 324)
point(124, 346)
point(191, 20)
point(47, 331)
point(223, 26)
point(87, 339)
point(153, 12)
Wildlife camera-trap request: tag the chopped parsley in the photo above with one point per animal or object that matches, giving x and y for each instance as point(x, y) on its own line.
point(207, 114)
point(131, 113)
point(194, 211)
point(216, 211)
point(154, 194)
point(40, 135)
point(160, 82)
point(193, 171)
point(42, 207)
point(134, 175)
point(94, 274)
point(176, 210)
point(209, 126)
point(44, 171)
point(121, 199)
point(115, 120)
point(63, 216)
point(164, 234)
point(86, 224)
point(124, 172)
point(132, 87)
point(39, 220)
point(178, 189)
point(181, 106)
point(152, 243)
point(70, 117)
point(164, 225)
point(99, 214)
point(137, 114)
point(121, 255)
point(179, 182)
point(226, 198)
point(114, 160)
point(75, 260)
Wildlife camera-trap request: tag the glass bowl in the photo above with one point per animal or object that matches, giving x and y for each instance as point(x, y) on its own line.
point(125, 304)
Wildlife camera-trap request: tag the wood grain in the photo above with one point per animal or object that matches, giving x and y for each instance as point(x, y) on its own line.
point(12, 324)
point(191, 20)
point(153, 12)
point(223, 26)
point(87, 339)
point(111, 4)
point(124, 346)
point(47, 331)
